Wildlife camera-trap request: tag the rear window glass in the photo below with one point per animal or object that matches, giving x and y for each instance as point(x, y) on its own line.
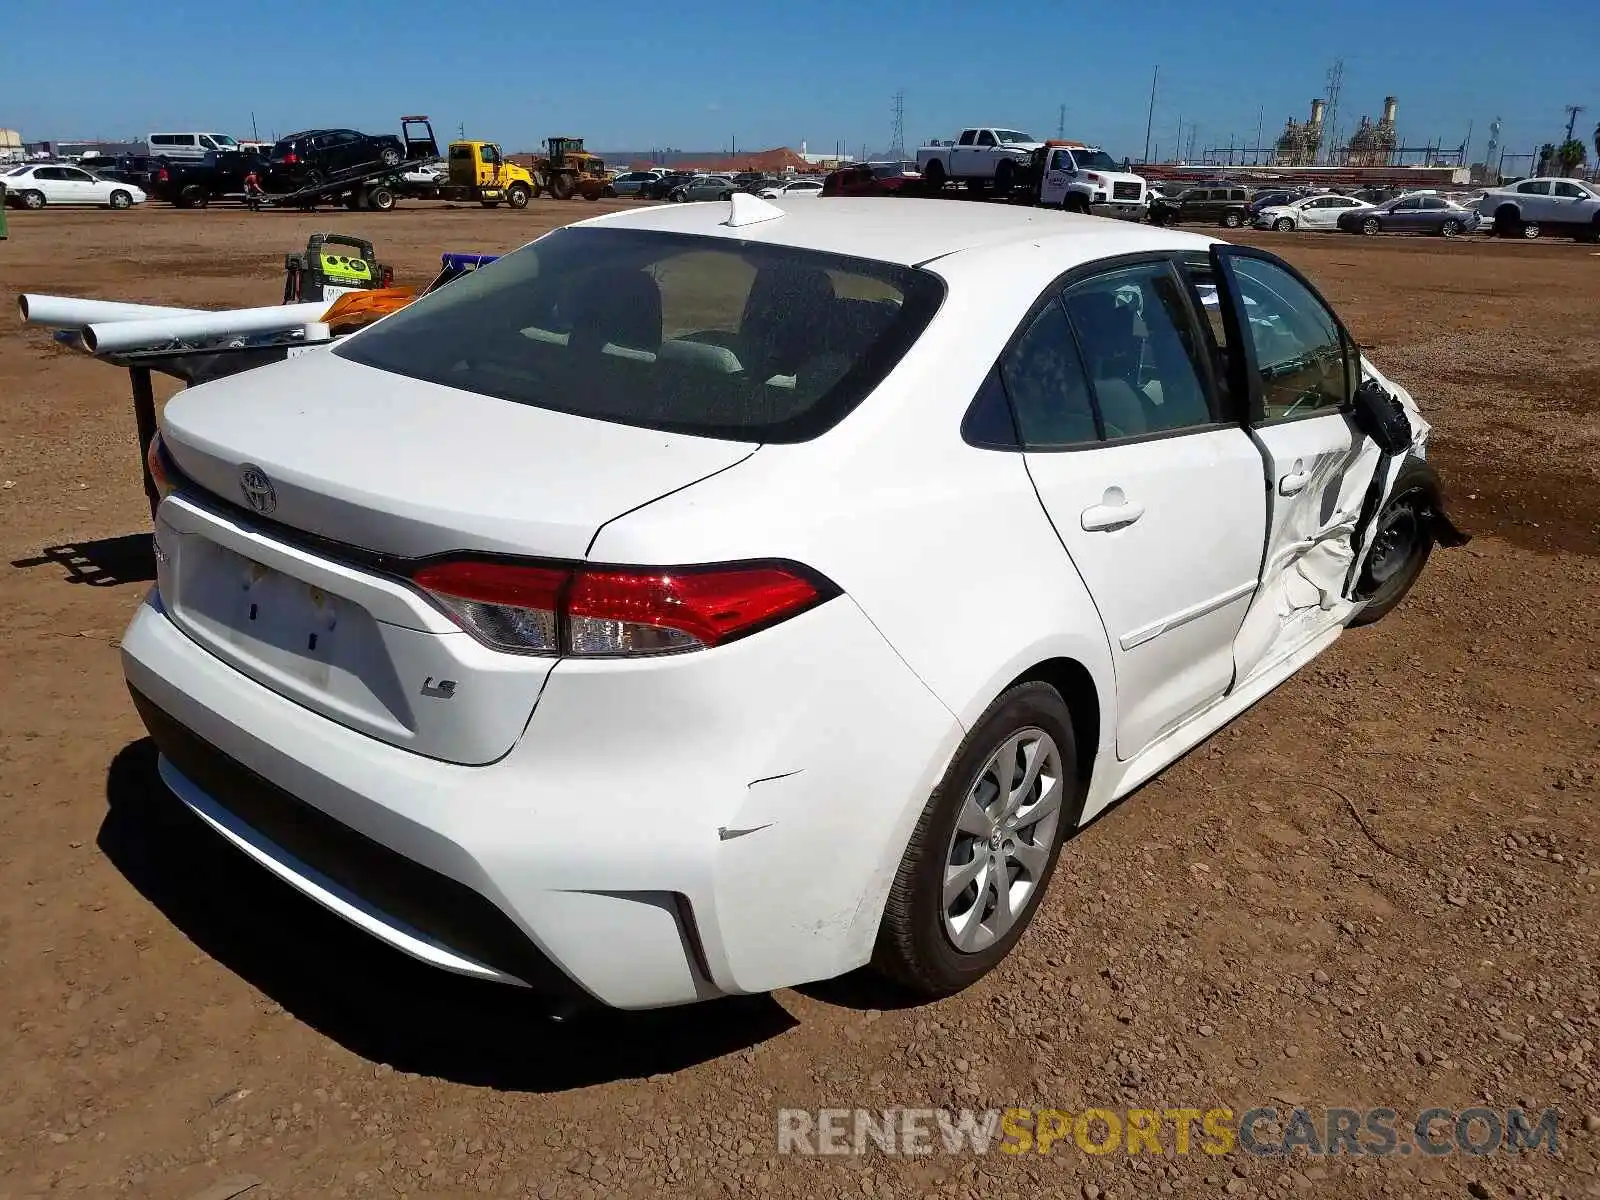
point(707, 336)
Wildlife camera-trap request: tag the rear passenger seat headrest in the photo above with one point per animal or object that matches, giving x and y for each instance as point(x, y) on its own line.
point(620, 308)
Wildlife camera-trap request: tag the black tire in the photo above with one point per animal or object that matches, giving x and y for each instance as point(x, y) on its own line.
point(1401, 540)
point(1231, 220)
point(1507, 222)
point(518, 195)
point(121, 199)
point(913, 947)
point(1284, 224)
point(389, 157)
point(1371, 226)
point(380, 198)
point(1077, 203)
point(31, 199)
point(1005, 174)
point(934, 176)
point(1450, 228)
point(562, 185)
point(192, 196)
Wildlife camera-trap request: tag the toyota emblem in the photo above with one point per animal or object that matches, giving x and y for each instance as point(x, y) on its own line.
point(258, 491)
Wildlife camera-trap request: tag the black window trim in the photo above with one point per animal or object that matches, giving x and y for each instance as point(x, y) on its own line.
point(1257, 418)
point(1053, 293)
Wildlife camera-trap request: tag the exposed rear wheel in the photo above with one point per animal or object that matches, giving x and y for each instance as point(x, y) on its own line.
point(390, 157)
point(380, 198)
point(1530, 230)
point(934, 176)
point(985, 846)
point(1232, 220)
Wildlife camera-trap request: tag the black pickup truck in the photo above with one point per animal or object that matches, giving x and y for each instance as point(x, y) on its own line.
point(195, 183)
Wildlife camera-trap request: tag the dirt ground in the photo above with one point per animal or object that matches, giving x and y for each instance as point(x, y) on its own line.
point(1378, 887)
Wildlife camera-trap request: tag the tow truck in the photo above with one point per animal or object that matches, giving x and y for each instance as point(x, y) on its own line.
point(477, 171)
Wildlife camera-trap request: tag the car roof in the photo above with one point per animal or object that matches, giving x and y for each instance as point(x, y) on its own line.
point(908, 231)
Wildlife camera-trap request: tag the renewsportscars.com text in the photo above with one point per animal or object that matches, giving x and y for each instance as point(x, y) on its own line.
point(1264, 1131)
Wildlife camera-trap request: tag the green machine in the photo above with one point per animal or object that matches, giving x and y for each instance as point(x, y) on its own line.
point(332, 265)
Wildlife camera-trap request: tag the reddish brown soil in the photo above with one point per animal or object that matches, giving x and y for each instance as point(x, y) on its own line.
point(1232, 934)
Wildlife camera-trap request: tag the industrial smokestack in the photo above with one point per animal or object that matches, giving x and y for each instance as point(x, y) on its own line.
point(1389, 106)
point(1317, 108)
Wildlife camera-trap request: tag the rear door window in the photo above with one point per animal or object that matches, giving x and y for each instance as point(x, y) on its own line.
point(707, 336)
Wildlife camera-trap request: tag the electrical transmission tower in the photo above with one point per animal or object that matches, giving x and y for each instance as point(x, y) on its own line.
point(897, 136)
point(1330, 116)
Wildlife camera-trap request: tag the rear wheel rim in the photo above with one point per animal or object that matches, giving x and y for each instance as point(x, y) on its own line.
point(1000, 847)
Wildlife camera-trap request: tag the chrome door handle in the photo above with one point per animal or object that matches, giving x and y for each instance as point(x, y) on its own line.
point(1115, 511)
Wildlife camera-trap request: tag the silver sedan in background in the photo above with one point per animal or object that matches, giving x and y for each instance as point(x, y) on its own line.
point(1416, 213)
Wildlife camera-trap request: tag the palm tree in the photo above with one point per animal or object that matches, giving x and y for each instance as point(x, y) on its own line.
point(1570, 155)
point(1547, 159)
point(1597, 141)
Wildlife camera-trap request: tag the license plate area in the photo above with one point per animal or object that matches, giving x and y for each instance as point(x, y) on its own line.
point(291, 623)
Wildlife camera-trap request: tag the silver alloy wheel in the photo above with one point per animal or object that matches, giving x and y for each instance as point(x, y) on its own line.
point(1001, 844)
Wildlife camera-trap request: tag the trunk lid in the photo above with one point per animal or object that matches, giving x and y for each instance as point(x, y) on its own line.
point(409, 468)
point(388, 464)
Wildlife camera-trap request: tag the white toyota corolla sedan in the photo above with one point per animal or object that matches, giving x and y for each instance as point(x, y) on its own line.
point(710, 598)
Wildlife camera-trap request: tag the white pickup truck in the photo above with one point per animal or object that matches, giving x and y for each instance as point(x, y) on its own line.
point(1566, 207)
point(981, 155)
point(1086, 179)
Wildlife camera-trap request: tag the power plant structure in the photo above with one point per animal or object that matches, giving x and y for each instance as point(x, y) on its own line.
point(1299, 144)
point(1373, 145)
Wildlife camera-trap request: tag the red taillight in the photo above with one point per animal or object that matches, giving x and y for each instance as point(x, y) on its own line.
point(155, 462)
point(162, 175)
point(291, 158)
point(556, 610)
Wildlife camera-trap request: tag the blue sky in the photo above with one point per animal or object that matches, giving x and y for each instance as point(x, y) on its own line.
point(692, 74)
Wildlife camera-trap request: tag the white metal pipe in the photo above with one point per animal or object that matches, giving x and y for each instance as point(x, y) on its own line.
point(70, 312)
point(102, 337)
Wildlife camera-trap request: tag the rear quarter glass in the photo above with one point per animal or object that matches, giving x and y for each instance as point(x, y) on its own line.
point(705, 336)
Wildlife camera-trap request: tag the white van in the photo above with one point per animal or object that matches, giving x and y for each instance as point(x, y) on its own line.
point(187, 145)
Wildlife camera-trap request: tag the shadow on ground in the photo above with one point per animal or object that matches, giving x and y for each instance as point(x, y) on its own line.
point(377, 1002)
point(106, 562)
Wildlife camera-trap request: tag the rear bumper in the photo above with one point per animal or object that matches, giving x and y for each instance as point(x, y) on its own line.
point(665, 831)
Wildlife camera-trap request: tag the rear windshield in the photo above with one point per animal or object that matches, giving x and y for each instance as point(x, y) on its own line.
point(707, 336)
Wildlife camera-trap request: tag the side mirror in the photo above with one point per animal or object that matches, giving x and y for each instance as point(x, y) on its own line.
point(1382, 418)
